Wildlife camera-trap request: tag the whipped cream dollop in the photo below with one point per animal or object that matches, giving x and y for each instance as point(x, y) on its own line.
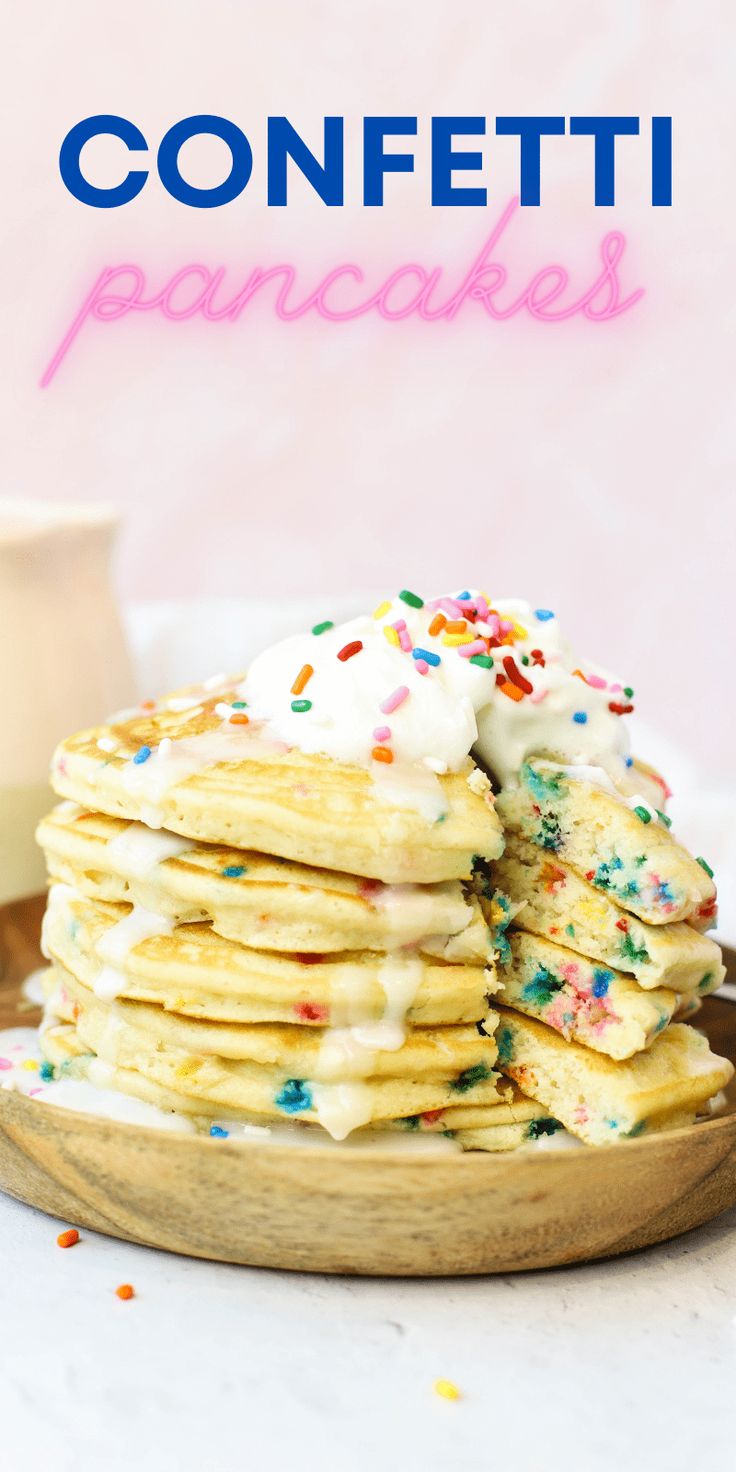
point(430, 682)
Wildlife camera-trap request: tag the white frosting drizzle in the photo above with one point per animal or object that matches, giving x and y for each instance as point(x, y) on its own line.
point(410, 910)
point(349, 1047)
point(348, 1050)
point(341, 1107)
point(117, 943)
point(174, 761)
point(137, 852)
point(33, 988)
point(109, 983)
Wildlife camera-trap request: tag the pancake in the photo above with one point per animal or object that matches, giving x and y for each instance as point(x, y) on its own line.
point(503, 1123)
point(627, 852)
point(553, 901)
point(115, 952)
point(689, 1004)
point(262, 902)
point(452, 1069)
point(512, 1107)
point(502, 1138)
point(584, 1001)
point(200, 772)
point(321, 1054)
point(604, 1102)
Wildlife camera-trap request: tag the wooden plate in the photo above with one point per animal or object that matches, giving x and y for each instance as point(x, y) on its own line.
point(352, 1211)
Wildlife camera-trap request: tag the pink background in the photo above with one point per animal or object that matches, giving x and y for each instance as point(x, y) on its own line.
point(587, 466)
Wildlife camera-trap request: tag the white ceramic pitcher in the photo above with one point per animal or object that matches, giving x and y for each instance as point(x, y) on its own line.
point(63, 660)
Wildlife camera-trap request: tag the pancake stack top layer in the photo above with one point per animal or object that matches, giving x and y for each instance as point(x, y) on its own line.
point(275, 894)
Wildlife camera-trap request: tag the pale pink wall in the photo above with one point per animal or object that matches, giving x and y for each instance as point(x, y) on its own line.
point(588, 466)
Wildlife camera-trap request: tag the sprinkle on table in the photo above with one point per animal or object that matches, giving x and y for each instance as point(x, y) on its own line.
point(125, 1291)
point(69, 1238)
point(323, 627)
point(302, 679)
point(447, 1389)
point(348, 650)
point(413, 599)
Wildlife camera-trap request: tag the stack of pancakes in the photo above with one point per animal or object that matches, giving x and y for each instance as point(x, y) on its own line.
point(248, 934)
point(605, 952)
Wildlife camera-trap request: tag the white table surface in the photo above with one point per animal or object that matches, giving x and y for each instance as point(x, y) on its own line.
point(629, 1364)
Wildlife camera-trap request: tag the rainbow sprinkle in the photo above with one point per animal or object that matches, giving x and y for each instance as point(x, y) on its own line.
point(393, 701)
point(302, 679)
point(447, 1389)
